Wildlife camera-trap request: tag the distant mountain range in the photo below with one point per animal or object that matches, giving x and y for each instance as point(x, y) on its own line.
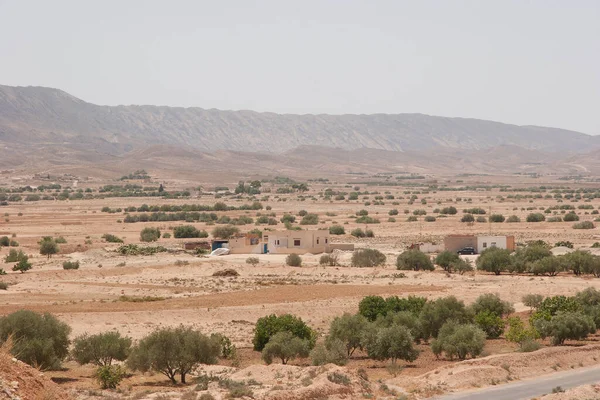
point(43, 127)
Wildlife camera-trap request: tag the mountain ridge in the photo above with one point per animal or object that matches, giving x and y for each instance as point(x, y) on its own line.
point(37, 114)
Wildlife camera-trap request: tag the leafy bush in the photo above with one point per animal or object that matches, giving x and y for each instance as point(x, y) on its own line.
point(564, 243)
point(436, 313)
point(372, 306)
point(461, 266)
point(412, 304)
point(109, 376)
point(535, 217)
point(367, 258)
point(566, 325)
point(3, 285)
point(414, 260)
point(225, 232)
point(188, 231)
point(446, 259)
point(365, 219)
point(149, 234)
point(48, 246)
point(40, 340)
point(4, 241)
point(285, 346)
point(337, 230)
point(293, 260)
point(467, 218)
point(310, 219)
point(571, 217)
point(112, 238)
point(429, 218)
point(494, 259)
point(60, 240)
point(70, 265)
point(23, 265)
point(272, 324)
point(359, 233)
point(490, 323)
point(513, 219)
point(329, 260)
point(493, 304)
point(15, 256)
point(532, 300)
point(173, 351)
point(449, 210)
point(394, 342)
point(406, 319)
point(412, 218)
point(331, 352)
point(497, 218)
point(101, 349)
point(518, 333)
point(393, 212)
point(584, 225)
point(254, 261)
point(455, 340)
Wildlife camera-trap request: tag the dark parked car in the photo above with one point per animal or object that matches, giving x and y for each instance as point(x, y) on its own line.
point(467, 250)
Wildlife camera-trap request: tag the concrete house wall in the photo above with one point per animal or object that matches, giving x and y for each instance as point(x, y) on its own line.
point(456, 242)
point(297, 242)
point(502, 242)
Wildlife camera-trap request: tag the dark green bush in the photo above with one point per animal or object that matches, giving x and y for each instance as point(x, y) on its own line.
point(70, 265)
point(414, 260)
point(367, 258)
point(188, 231)
point(101, 349)
point(271, 324)
point(149, 234)
point(337, 230)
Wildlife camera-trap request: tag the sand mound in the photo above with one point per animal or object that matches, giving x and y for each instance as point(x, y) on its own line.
point(286, 382)
point(577, 393)
point(503, 368)
point(19, 380)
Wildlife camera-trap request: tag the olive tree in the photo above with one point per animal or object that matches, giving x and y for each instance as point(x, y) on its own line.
point(436, 313)
point(456, 340)
point(101, 349)
point(48, 246)
point(348, 329)
point(173, 351)
point(494, 259)
point(565, 325)
point(285, 346)
point(394, 342)
point(446, 259)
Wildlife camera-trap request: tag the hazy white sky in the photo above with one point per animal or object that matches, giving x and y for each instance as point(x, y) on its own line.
point(516, 61)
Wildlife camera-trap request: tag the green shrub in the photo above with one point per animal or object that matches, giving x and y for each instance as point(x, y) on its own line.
point(394, 342)
point(48, 246)
point(571, 217)
point(101, 349)
point(584, 225)
point(331, 352)
point(285, 346)
point(149, 234)
point(337, 230)
point(532, 300)
point(393, 212)
point(23, 265)
point(109, 376)
point(494, 259)
point(70, 265)
point(40, 340)
point(371, 307)
point(564, 243)
point(490, 323)
point(461, 266)
point(449, 210)
point(225, 232)
point(456, 340)
point(436, 313)
point(309, 219)
point(3, 285)
point(167, 235)
point(367, 258)
point(467, 218)
point(329, 260)
point(414, 260)
point(272, 324)
point(173, 351)
point(446, 259)
point(254, 261)
point(429, 218)
point(492, 303)
point(513, 219)
point(60, 240)
point(518, 333)
point(188, 231)
point(293, 260)
point(4, 241)
point(359, 233)
point(497, 218)
point(412, 218)
point(112, 238)
point(535, 217)
point(565, 325)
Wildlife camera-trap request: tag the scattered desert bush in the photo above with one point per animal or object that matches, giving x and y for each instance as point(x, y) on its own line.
point(414, 260)
point(535, 217)
point(293, 260)
point(467, 218)
point(497, 218)
point(225, 232)
point(254, 261)
point(111, 238)
point(48, 246)
point(149, 234)
point(226, 272)
point(570, 217)
point(367, 258)
point(513, 219)
point(70, 265)
point(309, 219)
point(188, 231)
point(337, 230)
point(330, 260)
point(584, 225)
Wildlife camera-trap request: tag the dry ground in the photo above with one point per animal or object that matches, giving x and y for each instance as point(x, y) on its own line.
point(89, 299)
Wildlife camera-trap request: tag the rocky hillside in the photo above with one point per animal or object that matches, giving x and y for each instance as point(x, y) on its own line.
point(44, 116)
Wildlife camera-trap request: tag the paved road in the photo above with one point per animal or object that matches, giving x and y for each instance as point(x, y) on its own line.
point(532, 387)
